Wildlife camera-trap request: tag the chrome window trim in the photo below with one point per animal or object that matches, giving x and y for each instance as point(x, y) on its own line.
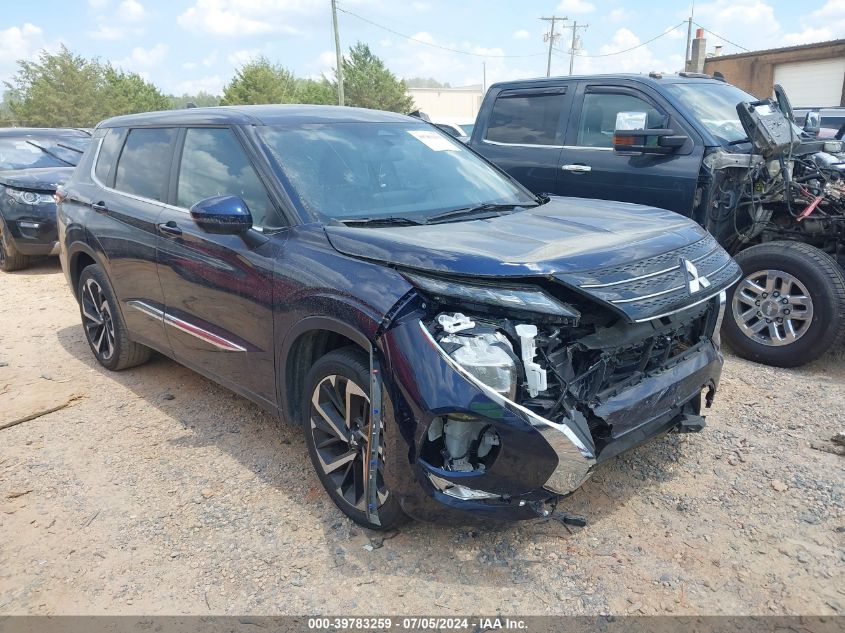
point(489, 142)
point(590, 147)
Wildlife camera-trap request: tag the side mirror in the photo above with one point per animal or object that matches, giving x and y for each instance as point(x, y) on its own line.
point(783, 102)
point(812, 123)
point(632, 137)
point(222, 215)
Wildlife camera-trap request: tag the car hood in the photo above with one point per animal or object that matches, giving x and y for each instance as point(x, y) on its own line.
point(36, 178)
point(565, 235)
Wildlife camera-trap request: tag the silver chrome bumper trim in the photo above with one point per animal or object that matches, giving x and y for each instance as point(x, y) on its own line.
point(574, 458)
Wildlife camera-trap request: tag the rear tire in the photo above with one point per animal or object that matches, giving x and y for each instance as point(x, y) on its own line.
point(789, 308)
point(336, 435)
point(103, 324)
point(10, 258)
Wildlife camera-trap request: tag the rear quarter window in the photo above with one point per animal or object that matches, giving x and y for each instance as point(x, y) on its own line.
point(144, 163)
point(109, 149)
point(525, 119)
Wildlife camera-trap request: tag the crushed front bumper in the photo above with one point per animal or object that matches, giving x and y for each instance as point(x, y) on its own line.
point(539, 459)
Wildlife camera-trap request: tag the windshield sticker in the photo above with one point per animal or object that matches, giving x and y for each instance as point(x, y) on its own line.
point(434, 140)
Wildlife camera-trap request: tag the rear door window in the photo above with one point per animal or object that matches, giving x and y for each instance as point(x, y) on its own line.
point(144, 163)
point(214, 164)
point(522, 117)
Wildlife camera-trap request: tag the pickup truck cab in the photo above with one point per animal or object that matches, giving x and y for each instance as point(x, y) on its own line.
point(556, 135)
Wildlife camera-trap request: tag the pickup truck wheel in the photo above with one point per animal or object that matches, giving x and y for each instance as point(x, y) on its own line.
point(103, 324)
point(336, 412)
point(789, 307)
point(10, 258)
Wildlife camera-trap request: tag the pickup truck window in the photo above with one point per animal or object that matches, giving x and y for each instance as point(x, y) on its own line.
point(598, 117)
point(714, 105)
point(525, 119)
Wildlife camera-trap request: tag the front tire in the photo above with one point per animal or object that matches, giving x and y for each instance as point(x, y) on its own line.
point(789, 307)
point(336, 416)
point(10, 258)
point(103, 324)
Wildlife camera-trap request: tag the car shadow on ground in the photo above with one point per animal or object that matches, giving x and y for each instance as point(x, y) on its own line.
point(275, 452)
point(40, 266)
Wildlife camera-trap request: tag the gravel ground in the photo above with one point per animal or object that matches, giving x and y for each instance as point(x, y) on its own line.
point(159, 492)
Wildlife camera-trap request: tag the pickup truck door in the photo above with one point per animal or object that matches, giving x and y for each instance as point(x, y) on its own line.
point(590, 168)
point(522, 133)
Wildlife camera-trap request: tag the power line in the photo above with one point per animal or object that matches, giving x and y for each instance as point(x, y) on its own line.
point(433, 45)
point(656, 37)
point(720, 37)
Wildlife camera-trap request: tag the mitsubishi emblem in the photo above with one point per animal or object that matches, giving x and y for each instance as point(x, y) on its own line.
point(695, 282)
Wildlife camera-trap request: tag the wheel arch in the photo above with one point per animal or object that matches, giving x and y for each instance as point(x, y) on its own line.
point(80, 256)
point(307, 341)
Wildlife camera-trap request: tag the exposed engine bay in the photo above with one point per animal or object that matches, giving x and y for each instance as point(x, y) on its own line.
point(791, 186)
point(558, 370)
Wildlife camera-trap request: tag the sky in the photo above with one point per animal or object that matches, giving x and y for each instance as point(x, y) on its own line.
point(184, 46)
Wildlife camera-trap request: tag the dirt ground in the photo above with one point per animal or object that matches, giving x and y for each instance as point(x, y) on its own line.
point(155, 491)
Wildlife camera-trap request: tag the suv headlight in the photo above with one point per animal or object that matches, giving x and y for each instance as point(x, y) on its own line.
point(501, 295)
point(487, 356)
point(27, 197)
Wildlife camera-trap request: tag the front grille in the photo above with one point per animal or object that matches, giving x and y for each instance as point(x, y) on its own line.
point(659, 285)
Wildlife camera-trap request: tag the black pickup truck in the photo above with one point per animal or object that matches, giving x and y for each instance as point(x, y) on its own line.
point(679, 142)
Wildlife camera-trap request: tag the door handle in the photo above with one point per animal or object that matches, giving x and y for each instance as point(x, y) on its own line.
point(577, 168)
point(170, 228)
point(99, 207)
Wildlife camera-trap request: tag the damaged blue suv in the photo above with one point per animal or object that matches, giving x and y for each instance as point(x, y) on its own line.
point(453, 346)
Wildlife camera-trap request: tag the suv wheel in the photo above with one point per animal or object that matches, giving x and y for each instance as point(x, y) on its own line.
point(789, 308)
point(10, 258)
point(103, 324)
point(336, 408)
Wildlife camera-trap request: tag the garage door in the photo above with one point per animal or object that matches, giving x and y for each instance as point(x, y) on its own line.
point(815, 83)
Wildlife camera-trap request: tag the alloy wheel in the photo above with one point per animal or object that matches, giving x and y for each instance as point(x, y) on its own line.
point(340, 419)
point(97, 319)
point(772, 307)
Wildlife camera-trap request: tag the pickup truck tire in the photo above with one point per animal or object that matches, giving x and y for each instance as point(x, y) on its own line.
point(103, 323)
point(789, 308)
point(10, 258)
point(336, 415)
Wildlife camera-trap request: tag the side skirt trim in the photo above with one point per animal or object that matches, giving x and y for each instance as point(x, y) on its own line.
point(184, 326)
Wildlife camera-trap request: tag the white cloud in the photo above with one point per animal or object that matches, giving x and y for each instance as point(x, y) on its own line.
point(22, 42)
point(807, 36)
point(575, 6)
point(640, 59)
point(108, 32)
point(749, 23)
point(239, 58)
point(246, 18)
point(98, 5)
point(676, 33)
point(142, 59)
point(131, 11)
point(421, 7)
point(619, 15)
point(521, 34)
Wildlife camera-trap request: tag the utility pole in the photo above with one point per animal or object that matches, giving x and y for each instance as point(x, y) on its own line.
point(339, 71)
point(551, 37)
point(574, 44)
point(688, 56)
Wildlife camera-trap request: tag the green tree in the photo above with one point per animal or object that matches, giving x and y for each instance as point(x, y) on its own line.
point(367, 83)
point(66, 90)
point(202, 100)
point(125, 93)
point(315, 91)
point(260, 81)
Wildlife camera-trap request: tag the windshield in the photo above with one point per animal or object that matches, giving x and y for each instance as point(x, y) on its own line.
point(714, 104)
point(351, 170)
point(24, 152)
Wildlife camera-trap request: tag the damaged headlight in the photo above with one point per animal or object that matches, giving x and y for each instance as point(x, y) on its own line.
point(486, 356)
point(27, 197)
point(527, 299)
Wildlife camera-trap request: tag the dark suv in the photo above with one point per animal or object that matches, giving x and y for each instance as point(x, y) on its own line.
point(33, 163)
point(452, 345)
